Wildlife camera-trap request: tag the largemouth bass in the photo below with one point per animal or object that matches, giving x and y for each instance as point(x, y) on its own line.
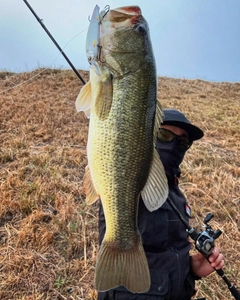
point(121, 101)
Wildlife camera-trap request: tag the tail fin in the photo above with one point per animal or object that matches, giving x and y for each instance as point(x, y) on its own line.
point(128, 268)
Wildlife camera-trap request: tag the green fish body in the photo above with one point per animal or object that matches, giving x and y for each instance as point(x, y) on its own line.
point(121, 100)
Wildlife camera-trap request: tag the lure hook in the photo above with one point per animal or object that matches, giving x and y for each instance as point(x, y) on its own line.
point(104, 12)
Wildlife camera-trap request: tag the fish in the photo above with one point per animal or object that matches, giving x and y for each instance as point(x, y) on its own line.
point(121, 101)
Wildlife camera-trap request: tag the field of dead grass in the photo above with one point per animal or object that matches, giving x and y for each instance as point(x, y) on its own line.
point(48, 236)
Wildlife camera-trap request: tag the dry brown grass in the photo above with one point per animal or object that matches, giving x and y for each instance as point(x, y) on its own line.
point(48, 236)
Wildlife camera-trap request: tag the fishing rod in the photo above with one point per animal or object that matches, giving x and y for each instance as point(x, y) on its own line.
point(204, 243)
point(54, 41)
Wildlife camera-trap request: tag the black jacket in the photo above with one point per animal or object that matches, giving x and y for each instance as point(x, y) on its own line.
point(166, 244)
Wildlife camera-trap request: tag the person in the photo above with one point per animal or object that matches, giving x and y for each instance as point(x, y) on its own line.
point(165, 239)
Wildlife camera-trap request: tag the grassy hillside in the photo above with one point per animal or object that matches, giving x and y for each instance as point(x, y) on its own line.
point(48, 236)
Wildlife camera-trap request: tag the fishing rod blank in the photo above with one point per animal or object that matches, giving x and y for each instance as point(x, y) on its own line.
point(54, 41)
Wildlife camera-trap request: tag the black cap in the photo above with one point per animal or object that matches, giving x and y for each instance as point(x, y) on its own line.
point(176, 118)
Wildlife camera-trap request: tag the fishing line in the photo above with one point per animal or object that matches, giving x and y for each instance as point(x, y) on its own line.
point(31, 78)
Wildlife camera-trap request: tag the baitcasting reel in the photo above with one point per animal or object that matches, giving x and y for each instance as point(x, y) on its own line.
point(204, 240)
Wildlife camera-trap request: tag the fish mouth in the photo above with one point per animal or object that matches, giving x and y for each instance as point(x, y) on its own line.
point(124, 16)
point(130, 10)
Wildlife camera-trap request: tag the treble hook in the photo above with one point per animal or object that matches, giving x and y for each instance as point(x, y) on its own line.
point(104, 12)
point(99, 54)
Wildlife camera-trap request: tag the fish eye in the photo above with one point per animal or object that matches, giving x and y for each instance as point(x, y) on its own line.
point(140, 29)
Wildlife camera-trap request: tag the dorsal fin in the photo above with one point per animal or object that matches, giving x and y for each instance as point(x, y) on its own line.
point(158, 119)
point(155, 191)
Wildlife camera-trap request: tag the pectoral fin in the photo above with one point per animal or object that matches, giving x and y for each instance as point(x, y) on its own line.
point(104, 96)
point(155, 191)
point(91, 194)
point(84, 99)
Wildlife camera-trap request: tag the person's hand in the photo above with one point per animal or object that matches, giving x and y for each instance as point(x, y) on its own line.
point(202, 267)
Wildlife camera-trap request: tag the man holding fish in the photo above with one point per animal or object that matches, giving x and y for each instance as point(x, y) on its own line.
point(124, 168)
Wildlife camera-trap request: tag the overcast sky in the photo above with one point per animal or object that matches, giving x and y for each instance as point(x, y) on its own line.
point(191, 38)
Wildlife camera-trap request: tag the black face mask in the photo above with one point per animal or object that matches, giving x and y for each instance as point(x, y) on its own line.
point(171, 156)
